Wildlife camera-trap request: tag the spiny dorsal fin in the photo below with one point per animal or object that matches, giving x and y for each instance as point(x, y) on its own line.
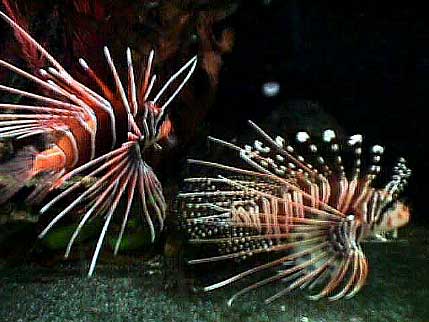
point(399, 179)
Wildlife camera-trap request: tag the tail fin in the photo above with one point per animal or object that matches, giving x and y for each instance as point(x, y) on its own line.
point(15, 173)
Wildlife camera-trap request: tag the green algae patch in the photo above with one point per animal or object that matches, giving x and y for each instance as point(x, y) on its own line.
point(58, 238)
point(131, 241)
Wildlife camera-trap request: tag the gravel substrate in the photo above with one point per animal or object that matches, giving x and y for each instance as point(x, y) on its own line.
point(397, 290)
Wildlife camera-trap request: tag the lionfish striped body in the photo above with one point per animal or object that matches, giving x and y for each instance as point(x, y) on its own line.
point(91, 135)
point(312, 213)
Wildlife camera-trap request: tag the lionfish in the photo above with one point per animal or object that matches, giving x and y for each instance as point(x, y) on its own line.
point(87, 136)
point(302, 219)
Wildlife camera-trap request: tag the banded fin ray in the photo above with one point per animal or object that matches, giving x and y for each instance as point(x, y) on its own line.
point(121, 170)
point(304, 226)
point(66, 110)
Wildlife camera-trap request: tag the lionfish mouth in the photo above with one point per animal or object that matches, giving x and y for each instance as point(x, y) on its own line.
point(293, 203)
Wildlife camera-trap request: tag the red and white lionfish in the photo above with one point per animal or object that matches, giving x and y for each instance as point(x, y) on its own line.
point(92, 135)
point(312, 213)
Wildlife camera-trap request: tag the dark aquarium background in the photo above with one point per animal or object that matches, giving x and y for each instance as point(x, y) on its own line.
point(288, 66)
point(359, 62)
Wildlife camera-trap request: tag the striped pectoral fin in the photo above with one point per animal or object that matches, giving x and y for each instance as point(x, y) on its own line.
point(119, 170)
point(319, 252)
point(350, 269)
point(334, 265)
point(300, 260)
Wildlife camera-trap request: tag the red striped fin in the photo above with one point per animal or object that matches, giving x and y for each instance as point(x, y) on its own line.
point(75, 119)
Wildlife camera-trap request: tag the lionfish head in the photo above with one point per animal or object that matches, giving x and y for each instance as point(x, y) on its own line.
point(152, 119)
point(153, 122)
point(394, 216)
point(395, 213)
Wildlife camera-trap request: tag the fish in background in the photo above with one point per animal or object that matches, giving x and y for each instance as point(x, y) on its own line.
point(86, 134)
point(300, 210)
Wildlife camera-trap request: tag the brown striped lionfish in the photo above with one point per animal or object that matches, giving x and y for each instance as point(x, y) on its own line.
point(90, 135)
point(304, 219)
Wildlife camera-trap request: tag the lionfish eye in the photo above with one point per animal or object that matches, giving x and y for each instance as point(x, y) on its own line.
point(350, 215)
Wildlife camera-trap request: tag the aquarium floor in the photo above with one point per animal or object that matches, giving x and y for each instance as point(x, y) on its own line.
point(397, 290)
